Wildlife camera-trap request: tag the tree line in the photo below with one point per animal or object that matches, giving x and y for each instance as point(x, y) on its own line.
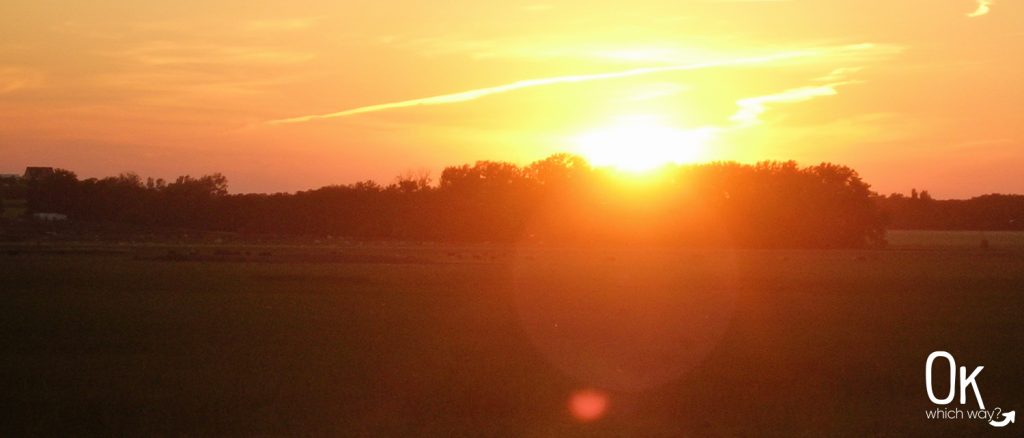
point(919, 211)
point(560, 199)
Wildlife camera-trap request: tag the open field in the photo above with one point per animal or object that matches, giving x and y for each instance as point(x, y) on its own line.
point(492, 341)
point(954, 239)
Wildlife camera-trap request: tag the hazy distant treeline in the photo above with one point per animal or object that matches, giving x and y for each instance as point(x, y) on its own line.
point(558, 199)
point(920, 211)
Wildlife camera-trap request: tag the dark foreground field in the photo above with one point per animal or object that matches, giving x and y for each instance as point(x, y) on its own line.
point(494, 341)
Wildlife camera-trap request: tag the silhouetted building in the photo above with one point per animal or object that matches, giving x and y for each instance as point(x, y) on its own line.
point(36, 173)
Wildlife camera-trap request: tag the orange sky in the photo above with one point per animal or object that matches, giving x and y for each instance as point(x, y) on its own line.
point(280, 96)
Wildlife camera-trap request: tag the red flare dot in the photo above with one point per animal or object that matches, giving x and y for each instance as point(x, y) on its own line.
point(588, 404)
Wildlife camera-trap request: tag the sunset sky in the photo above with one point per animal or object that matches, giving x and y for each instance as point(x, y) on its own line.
point(282, 95)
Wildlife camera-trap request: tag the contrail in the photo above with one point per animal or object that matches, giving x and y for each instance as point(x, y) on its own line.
point(464, 96)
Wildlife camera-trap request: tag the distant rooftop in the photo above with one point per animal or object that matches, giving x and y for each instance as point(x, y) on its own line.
point(33, 173)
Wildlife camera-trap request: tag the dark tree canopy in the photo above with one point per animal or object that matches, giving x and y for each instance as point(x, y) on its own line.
point(994, 212)
point(560, 199)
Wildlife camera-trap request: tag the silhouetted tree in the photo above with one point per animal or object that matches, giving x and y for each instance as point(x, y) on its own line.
point(987, 212)
point(557, 199)
point(53, 193)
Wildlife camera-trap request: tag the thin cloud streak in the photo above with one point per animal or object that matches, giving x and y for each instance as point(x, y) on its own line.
point(984, 6)
point(466, 96)
point(752, 108)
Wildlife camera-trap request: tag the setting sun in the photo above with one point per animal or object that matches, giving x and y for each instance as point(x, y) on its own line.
point(638, 144)
point(511, 218)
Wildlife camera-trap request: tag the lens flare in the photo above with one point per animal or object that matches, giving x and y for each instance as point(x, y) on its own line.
point(588, 404)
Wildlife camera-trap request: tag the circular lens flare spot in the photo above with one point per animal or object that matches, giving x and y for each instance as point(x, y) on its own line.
point(588, 404)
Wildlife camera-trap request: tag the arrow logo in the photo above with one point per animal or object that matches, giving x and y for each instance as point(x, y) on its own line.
point(1008, 417)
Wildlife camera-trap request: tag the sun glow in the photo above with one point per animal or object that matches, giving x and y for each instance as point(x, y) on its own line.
point(640, 144)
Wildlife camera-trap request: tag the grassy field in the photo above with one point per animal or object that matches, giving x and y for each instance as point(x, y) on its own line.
point(389, 340)
point(955, 239)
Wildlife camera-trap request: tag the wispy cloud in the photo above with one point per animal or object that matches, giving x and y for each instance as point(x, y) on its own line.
point(751, 108)
point(838, 74)
point(983, 8)
point(465, 96)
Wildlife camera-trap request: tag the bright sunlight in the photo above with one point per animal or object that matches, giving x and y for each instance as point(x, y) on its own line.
point(642, 143)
